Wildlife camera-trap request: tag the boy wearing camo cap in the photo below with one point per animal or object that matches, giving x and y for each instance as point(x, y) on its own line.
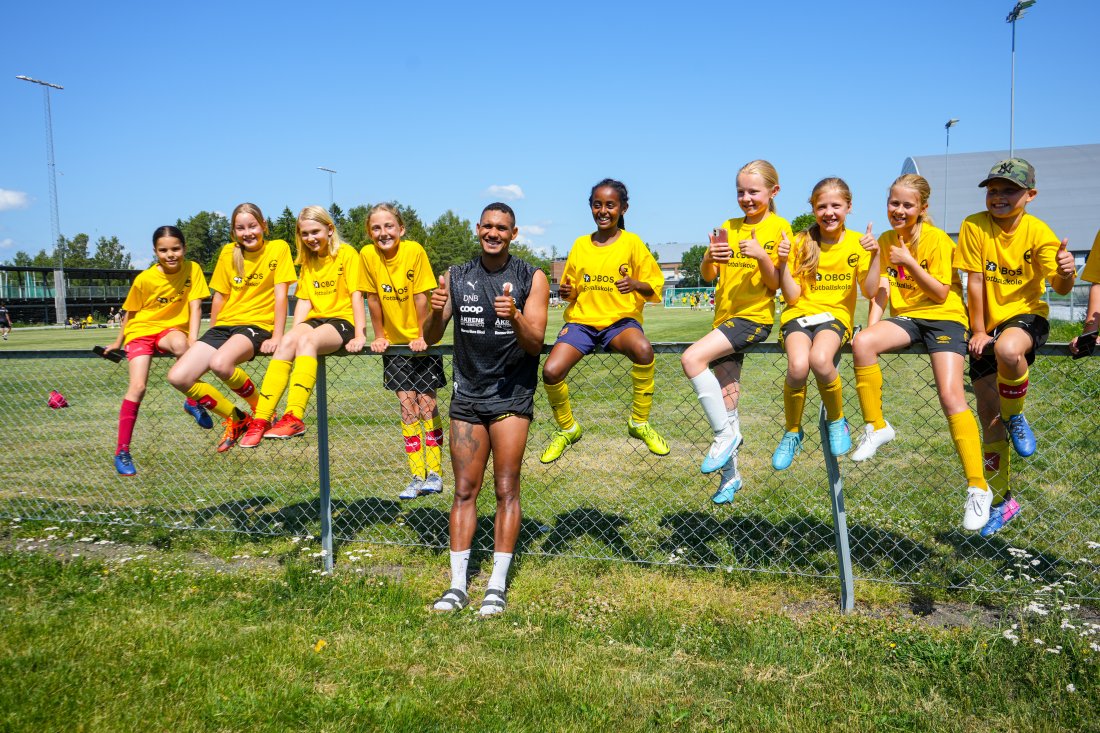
point(1008, 254)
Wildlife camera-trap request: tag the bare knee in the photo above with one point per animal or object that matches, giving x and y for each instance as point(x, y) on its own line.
point(643, 353)
point(822, 364)
point(222, 366)
point(553, 373)
point(863, 349)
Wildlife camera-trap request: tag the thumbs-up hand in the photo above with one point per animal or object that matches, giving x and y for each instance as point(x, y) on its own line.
point(719, 249)
point(901, 257)
point(783, 249)
point(1067, 268)
point(565, 288)
point(751, 247)
point(868, 240)
point(505, 305)
point(441, 294)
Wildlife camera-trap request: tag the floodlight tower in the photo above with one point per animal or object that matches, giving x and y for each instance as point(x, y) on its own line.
point(946, 162)
point(331, 199)
point(1017, 13)
point(55, 220)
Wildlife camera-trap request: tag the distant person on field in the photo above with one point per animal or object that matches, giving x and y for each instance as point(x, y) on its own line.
point(1091, 274)
point(163, 311)
point(5, 321)
point(399, 281)
point(1008, 254)
point(926, 307)
point(247, 317)
point(608, 278)
point(744, 261)
point(329, 315)
point(497, 342)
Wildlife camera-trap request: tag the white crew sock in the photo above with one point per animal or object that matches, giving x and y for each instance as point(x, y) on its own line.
point(459, 562)
point(502, 561)
point(710, 397)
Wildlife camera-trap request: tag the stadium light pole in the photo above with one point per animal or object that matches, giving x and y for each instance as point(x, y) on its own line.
point(331, 199)
point(55, 220)
point(1017, 13)
point(946, 163)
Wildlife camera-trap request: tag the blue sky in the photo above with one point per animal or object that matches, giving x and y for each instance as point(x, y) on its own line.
point(176, 108)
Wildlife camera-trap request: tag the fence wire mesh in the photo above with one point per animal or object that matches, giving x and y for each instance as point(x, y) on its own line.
point(606, 498)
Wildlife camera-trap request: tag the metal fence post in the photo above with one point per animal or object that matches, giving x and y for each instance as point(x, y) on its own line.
point(325, 497)
point(840, 518)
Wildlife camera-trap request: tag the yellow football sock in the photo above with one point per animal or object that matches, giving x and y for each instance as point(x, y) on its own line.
point(832, 396)
point(414, 448)
point(558, 395)
point(1012, 394)
point(243, 386)
point(211, 399)
point(997, 468)
point(272, 388)
point(642, 377)
point(964, 431)
point(794, 402)
point(302, 380)
point(433, 442)
point(869, 389)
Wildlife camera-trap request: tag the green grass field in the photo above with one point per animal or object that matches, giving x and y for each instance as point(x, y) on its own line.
point(111, 620)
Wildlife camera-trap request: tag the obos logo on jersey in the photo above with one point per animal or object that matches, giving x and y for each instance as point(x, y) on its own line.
point(587, 277)
point(990, 266)
point(387, 288)
point(238, 280)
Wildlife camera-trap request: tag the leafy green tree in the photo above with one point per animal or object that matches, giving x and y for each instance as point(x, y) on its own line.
point(690, 267)
point(22, 259)
point(205, 233)
point(526, 253)
point(109, 255)
point(450, 240)
point(802, 222)
point(655, 253)
point(354, 229)
point(284, 227)
point(338, 217)
point(75, 251)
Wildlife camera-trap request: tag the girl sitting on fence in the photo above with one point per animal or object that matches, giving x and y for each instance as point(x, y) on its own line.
point(329, 315)
point(161, 315)
point(926, 306)
point(399, 280)
point(742, 254)
point(247, 317)
point(608, 278)
point(819, 274)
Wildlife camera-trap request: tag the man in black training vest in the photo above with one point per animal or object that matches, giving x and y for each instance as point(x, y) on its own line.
point(500, 303)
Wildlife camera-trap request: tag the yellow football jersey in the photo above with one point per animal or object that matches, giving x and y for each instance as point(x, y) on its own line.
point(1092, 265)
point(593, 270)
point(250, 298)
point(1014, 266)
point(159, 301)
point(395, 281)
point(841, 270)
point(935, 254)
point(741, 292)
point(328, 282)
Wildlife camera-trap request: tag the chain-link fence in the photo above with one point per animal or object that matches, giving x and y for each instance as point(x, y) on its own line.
point(607, 497)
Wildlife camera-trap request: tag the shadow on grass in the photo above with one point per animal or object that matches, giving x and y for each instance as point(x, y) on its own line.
point(795, 542)
point(592, 523)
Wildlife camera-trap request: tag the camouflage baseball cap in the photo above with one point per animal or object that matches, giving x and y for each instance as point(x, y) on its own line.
point(1017, 170)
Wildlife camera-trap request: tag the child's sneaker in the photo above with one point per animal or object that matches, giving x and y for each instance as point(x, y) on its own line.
point(124, 464)
point(234, 429)
point(731, 482)
point(872, 441)
point(1000, 515)
point(647, 434)
point(416, 484)
point(840, 438)
point(789, 447)
point(976, 512)
point(433, 484)
point(197, 411)
point(561, 440)
point(1023, 439)
point(721, 450)
point(289, 426)
point(255, 433)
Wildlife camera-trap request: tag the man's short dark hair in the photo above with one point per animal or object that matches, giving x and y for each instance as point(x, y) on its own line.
point(500, 206)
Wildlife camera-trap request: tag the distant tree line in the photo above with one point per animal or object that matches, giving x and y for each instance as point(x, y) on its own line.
point(449, 240)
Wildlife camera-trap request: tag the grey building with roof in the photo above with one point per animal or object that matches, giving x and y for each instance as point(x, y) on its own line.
point(1067, 178)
